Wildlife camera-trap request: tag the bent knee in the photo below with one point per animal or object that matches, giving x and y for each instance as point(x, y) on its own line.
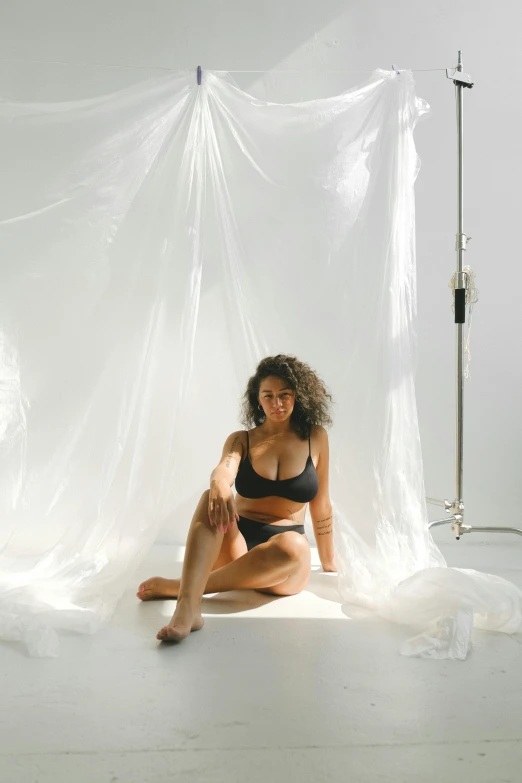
point(201, 515)
point(292, 544)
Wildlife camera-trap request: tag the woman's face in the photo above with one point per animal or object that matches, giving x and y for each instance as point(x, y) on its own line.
point(276, 398)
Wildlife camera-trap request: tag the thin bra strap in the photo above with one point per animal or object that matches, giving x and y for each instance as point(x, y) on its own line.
point(309, 448)
point(248, 445)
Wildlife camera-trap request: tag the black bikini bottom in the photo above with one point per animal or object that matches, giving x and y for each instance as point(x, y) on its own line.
point(258, 532)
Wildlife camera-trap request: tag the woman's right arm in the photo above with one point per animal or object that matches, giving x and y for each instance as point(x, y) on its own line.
point(221, 504)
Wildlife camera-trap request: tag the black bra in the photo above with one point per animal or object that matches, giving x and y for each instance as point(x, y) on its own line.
point(302, 488)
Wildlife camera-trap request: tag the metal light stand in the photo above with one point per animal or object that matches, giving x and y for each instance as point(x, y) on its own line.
point(456, 509)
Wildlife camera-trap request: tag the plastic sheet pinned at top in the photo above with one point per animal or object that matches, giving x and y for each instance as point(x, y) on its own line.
point(156, 243)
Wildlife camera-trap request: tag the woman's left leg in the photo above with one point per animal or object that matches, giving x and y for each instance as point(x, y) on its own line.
point(280, 566)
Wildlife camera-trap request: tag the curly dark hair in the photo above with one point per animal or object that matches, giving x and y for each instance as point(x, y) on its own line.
point(312, 400)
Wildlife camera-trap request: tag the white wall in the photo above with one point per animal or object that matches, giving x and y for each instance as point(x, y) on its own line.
point(331, 34)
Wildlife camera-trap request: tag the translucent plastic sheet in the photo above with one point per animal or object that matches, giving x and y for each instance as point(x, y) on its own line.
point(156, 243)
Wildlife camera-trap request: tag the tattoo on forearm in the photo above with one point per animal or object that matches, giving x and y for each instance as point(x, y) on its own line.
point(326, 519)
point(323, 527)
point(231, 452)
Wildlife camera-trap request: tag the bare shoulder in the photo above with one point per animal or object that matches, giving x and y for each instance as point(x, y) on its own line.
point(235, 442)
point(233, 450)
point(319, 434)
point(319, 443)
point(320, 448)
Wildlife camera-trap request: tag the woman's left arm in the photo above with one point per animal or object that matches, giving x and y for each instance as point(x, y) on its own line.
point(321, 506)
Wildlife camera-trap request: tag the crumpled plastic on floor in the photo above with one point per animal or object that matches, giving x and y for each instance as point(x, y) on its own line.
point(40, 640)
point(448, 637)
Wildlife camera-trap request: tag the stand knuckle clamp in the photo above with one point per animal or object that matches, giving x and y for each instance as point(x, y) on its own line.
point(461, 241)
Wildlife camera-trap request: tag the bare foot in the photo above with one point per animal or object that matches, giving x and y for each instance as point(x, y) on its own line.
point(157, 587)
point(185, 620)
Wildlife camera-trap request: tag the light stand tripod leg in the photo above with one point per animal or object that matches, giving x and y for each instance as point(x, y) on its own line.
point(475, 529)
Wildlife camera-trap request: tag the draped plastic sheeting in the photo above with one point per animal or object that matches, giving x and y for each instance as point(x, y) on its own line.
point(156, 244)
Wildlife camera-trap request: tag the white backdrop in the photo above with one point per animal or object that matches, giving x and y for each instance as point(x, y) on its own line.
point(319, 38)
point(302, 216)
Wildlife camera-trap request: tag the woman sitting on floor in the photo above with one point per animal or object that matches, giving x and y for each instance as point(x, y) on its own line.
point(256, 539)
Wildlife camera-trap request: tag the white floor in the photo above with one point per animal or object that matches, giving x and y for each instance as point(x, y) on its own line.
point(273, 690)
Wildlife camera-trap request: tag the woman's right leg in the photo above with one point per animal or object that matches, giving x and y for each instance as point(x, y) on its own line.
point(204, 542)
point(202, 549)
point(233, 545)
